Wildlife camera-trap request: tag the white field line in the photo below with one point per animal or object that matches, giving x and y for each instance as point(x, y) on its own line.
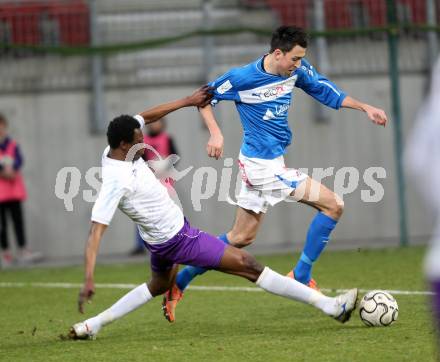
point(199, 288)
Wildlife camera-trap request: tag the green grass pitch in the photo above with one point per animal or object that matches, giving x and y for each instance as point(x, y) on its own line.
point(221, 325)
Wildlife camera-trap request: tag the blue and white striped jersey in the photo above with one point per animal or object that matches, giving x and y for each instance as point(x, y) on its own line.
point(263, 101)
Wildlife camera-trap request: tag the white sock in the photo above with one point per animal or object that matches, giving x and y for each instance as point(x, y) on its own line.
point(128, 303)
point(278, 284)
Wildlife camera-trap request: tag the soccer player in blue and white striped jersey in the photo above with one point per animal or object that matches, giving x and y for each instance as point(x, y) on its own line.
point(263, 94)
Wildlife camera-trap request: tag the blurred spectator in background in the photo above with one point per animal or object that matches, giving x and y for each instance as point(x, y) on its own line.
point(12, 194)
point(423, 162)
point(158, 139)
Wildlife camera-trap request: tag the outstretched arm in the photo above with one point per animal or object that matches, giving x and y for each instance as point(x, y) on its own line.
point(377, 115)
point(328, 93)
point(199, 98)
point(215, 143)
point(85, 295)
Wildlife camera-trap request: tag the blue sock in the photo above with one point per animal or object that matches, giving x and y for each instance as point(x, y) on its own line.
point(187, 274)
point(317, 238)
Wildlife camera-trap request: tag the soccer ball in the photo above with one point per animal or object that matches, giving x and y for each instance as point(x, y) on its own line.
point(378, 309)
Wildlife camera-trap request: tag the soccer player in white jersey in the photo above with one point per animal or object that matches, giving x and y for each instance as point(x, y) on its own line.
point(129, 184)
point(262, 92)
point(423, 161)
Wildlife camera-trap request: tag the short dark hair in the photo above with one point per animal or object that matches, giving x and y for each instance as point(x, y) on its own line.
point(121, 129)
point(3, 120)
point(286, 37)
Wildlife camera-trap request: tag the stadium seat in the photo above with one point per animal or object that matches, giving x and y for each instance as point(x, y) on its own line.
point(30, 21)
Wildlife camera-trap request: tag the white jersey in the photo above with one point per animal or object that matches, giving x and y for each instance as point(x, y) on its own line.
point(133, 188)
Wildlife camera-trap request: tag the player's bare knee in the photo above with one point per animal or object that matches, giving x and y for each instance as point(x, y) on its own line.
point(158, 287)
point(162, 289)
point(339, 207)
point(241, 240)
point(336, 208)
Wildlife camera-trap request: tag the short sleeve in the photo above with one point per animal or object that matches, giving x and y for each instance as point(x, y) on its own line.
point(108, 200)
point(318, 86)
point(226, 87)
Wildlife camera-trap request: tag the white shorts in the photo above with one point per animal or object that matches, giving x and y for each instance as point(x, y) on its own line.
point(266, 182)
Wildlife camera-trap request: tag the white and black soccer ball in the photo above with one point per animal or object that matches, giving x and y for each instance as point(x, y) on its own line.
point(378, 309)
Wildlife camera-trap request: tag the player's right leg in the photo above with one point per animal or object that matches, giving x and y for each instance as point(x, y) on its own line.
point(243, 233)
point(239, 262)
point(159, 284)
point(330, 208)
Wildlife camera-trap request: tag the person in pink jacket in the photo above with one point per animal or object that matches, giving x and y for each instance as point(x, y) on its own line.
point(12, 195)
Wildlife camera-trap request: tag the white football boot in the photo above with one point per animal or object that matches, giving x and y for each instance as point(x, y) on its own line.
point(346, 304)
point(82, 330)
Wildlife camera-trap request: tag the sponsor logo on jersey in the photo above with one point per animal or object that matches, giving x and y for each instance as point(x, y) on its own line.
point(281, 110)
point(269, 115)
point(271, 92)
point(268, 92)
point(224, 87)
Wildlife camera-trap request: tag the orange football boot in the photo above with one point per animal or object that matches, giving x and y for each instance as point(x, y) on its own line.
point(169, 302)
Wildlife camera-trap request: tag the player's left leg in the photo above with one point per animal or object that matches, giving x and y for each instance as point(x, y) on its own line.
point(239, 262)
point(330, 207)
point(204, 250)
point(159, 284)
